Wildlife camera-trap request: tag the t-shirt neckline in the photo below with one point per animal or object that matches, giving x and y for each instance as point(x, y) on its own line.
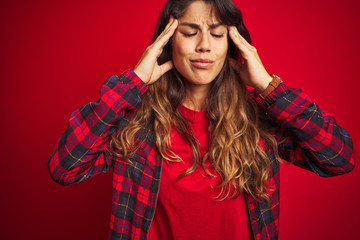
point(192, 115)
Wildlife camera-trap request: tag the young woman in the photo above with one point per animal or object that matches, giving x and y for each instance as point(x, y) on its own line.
point(195, 154)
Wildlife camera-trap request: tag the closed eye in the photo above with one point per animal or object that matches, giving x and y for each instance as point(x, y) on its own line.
point(217, 35)
point(189, 34)
point(212, 34)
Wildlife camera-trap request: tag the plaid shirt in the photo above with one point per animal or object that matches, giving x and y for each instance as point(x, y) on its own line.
point(313, 141)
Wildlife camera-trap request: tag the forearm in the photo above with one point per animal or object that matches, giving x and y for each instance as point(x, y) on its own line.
point(83, 150)
point(314, 140)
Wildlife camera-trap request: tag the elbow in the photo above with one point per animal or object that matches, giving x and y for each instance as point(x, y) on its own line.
point(337, 170)
point(340, 162)
point(58, 178)
point(346, 155)
point(351, 165)
point(57, 175)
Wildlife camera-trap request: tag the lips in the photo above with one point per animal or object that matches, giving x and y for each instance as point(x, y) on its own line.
point(201, 63)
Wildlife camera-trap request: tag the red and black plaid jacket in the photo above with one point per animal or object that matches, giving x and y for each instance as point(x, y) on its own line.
point(313, 141)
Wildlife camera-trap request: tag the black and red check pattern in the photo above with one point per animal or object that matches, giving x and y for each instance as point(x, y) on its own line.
point(313, 141)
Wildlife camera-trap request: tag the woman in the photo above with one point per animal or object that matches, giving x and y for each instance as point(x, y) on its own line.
point(184, 115)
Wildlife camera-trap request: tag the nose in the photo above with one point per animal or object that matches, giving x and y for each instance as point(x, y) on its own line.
point(203, 44)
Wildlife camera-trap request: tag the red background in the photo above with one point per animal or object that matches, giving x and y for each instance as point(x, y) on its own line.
point(56, 54)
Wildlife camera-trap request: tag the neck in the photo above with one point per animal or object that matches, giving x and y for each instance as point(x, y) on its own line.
point(196, 97)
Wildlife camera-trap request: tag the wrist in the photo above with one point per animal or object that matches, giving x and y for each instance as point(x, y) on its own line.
point(275, 82)
point(264, 84)
point(140, 75)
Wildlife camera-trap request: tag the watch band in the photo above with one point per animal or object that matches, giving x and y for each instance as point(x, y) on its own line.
point(275, 82)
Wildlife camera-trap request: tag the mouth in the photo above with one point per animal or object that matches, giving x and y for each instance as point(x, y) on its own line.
point(201, 63)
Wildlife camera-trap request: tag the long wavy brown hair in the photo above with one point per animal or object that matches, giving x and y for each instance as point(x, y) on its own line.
point(234, 125)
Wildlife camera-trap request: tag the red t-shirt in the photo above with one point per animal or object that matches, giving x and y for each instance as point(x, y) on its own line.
point(186, 208)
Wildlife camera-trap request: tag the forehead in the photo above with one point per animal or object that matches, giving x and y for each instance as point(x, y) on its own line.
point(201, 13)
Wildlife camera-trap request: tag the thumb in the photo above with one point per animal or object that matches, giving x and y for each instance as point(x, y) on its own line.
point(166, 67)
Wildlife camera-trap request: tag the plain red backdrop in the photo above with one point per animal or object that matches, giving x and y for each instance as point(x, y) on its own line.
point(56, 54)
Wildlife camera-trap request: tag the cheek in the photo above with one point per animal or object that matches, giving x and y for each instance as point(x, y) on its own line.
point(177, 58)
point(180, 51)
point(224, 48)
point(175, 47)
point(222, 53)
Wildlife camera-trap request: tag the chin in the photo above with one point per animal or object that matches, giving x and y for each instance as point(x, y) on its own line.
point(197, 76)
point(200, 79)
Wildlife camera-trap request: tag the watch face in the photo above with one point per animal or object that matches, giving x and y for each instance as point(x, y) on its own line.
point(273, 75)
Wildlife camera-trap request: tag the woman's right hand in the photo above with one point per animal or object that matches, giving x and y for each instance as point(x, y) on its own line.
point(148, 68)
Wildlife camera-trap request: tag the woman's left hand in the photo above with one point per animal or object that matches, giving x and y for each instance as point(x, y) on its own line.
point(252, 71)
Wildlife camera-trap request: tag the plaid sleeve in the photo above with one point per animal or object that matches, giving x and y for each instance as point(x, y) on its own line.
point(83, 150)
point(311, 137)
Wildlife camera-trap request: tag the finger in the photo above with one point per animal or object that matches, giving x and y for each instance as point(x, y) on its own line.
point(171, 21)
point(237, 41)
point(160, 70)
point(165, 36)
point(236, 34)
point(166, 67)
point(235, 37)
point(246, 49)
point(250, 47)
point(240, 42)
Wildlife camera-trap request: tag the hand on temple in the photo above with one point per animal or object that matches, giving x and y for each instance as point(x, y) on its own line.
point(147, 68)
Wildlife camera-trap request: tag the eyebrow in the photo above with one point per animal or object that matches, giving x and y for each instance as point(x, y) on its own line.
point(197, 26)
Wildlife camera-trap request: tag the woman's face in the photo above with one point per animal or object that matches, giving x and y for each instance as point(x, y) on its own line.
point(199, 45)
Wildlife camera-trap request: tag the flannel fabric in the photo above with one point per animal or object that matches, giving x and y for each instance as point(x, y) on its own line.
point(312, 140)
